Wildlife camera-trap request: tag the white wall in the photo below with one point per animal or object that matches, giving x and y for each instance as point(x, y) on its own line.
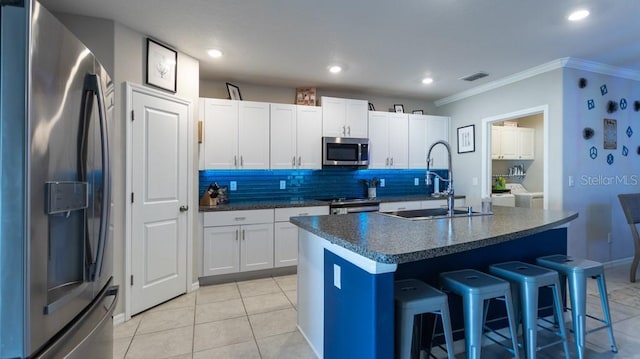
point(596, 183)
point(125, 50)
point(543, 89)
point(253, 92)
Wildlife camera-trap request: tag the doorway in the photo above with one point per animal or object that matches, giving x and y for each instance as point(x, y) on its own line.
point(525, 116)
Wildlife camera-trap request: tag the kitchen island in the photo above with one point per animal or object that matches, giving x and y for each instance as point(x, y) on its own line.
point(347, 265)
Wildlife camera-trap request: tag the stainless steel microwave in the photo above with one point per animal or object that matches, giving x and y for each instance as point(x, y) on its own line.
point(345, 151)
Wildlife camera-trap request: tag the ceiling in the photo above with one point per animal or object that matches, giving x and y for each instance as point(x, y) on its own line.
point(386, 47)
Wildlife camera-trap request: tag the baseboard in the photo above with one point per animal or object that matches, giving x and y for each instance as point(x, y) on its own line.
point(195, 285)
point(617, 262)
point(258, 274)
point(118, 319)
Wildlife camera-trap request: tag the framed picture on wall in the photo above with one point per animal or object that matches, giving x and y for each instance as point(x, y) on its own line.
point(162, 66)
point(467, 139)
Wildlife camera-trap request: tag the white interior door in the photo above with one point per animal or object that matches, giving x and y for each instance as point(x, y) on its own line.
point(159, 173)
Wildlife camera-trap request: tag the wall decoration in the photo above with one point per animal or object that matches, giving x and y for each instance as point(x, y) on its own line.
point(162, 66)
point(625, 151)
point(418, 112)
point(610, 134)
point(234, 92)
point(593, 152)
point(306, 96)
point(603, 90)
point(636, 106)
point(467, 139)
point(610, 159)
point(398, 108)
point(591, 104)
point(623, 103)
point(582, 83)
point(587, 133)
point(612, 107)
point(629, 132)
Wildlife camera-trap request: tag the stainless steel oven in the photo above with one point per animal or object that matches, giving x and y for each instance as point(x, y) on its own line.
point(353, 205)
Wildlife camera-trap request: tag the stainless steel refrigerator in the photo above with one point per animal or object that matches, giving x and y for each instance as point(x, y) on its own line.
point(56, 287)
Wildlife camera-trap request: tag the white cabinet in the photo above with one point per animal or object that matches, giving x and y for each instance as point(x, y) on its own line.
point(512, 143)
point(286, 233)
point(344, 117)
point(424, 130)
point(388, 140)
point(441, 203)
point(236, 134)
point(296, 137)
point(438, 129)
point(237, 241)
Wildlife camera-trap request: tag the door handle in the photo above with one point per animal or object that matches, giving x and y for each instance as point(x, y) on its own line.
point(184, 208)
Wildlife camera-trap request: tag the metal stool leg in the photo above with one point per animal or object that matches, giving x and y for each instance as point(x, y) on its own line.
point(446, 327)
point(530, 319)
point(578, 290)
point(473, 321)
point(604, 300)
point(558, 309)
point(512, 323)
point(404, 336)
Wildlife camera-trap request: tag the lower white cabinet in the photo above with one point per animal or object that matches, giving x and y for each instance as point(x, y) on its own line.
point(286, 233)
point(248, 240)
point(237, 241)
point(409, 205)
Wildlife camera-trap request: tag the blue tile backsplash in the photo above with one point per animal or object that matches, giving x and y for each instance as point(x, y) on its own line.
point(256, 185)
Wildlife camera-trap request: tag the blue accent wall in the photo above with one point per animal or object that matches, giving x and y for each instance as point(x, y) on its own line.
point(315, 184)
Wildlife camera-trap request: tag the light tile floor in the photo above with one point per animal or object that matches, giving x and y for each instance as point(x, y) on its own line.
point(257, 319)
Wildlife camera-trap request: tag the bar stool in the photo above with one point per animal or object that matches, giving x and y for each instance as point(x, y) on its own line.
point(475, 288)
point(576, 271)
point(528, 279)
point(414, 297)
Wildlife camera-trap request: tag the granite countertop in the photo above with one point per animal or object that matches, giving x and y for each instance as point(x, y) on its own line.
point(268, 204)
point(387, 239)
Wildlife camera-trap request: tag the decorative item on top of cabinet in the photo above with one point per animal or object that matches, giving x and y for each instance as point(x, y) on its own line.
point(234, 92)
point(306, 96)
point(418, 112)
point(398, 108)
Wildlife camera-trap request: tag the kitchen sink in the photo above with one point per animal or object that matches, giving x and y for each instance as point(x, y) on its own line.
point(432, 213)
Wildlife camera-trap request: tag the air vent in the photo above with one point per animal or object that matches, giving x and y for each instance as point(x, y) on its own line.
point(473, 77)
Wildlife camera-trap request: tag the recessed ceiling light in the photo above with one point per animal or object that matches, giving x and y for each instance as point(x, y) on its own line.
point(334, 69)
point(578, 15)
point(215, 53)
point(427, 80)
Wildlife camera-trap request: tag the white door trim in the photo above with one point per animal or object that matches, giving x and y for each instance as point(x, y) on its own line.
point(130, 89)
point(486, 147)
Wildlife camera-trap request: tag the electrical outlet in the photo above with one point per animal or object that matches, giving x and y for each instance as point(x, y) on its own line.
point(283, 184)
point(233, 186)
point(337, 281)
point(571, 182)
point(416, 181)
point(382, 182)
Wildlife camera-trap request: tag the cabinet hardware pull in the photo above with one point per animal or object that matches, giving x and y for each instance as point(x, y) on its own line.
point(237, 234)
point(303, 214)
point(235, 161)
point(391, 161)
point(243, 234)
point(344, 130)
point(401, 208)
point(240, 218)
point(299, 161)
point(241, 161)
point(386, 162)
point(349, 127)
point(293, 161)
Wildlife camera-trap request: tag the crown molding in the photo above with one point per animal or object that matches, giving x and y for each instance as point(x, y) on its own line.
point(567, 62)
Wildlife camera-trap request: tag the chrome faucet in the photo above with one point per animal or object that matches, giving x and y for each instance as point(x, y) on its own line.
point(449, 192)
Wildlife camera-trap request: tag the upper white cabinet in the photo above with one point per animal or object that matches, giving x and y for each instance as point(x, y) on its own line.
point(296, 137)
point(424, 130)
point(512, 143)
point(344, 117)
point(236, 134)
point(388, 140)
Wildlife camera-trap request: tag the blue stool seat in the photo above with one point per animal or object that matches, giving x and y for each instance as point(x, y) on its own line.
point(414, 297)
point(475, 288)
point(526, 280)
point(576, 271)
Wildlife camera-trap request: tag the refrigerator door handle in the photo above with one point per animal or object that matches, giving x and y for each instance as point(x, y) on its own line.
point(93, 84)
